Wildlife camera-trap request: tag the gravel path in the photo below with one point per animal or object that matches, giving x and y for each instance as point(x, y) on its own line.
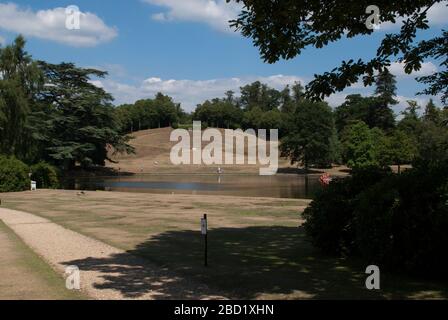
point(106, 272)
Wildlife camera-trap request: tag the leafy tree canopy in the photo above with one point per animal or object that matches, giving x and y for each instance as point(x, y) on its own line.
point(283, 29)
point(81, 123)
point(309, 134)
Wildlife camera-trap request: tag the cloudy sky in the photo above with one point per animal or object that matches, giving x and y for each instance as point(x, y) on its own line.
point(183, 48)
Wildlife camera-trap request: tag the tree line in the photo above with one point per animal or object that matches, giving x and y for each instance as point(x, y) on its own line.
point(362, 131)
point(53, 112)
point(159, 112)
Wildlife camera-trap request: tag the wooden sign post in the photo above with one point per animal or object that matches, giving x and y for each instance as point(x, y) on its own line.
point(204, 233)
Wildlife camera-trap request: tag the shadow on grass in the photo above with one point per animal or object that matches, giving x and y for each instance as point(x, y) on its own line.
point(244, 263)
point(301, 171)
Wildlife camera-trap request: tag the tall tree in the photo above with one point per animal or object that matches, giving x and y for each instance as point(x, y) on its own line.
point(359, 146)
point(287, 103)
point(411, 110)
point(166, 109)
point(20, 80)
point(432, 145)
point(410, 123)
point(386, 87)
point(354, 108)
point(82, 126)
point(383, 116)
point(259, 95)
point(432, 113)
point(230, 96)
point(298, 93)
point(397, 149)
point(309, 134)
point(219, 113)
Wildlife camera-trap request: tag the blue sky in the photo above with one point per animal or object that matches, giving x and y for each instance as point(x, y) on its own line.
point(180, 47)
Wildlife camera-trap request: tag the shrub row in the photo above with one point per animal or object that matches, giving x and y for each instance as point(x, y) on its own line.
point(399, 222)
point(14, 175)
point(45, 175)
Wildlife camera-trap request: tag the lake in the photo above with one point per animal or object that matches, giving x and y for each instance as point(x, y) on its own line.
point(278, 186)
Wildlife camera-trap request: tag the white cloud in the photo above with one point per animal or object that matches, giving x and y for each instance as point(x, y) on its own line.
point(422, 101)
point(187, 92)
point(438, 13)
point(436, 16)
point(192, 92)
point(397, 68)
point(2, 41)
point(215, 13)
point(50, 25)
point(336, 99)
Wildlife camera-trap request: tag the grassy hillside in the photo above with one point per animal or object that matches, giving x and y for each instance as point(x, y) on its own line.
point(153, 149)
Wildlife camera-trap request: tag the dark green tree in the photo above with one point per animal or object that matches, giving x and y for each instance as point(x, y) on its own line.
point(432, 113)
point(397, 149)
point(150, 113)
point(166, 109)
point(355, 108)
point(383, 116)
point(219, 113)
point(410, 123)
point(259, 95)
point(82, 128)
point(20, 80)
point(386, 88)
point(271, 120)
point(359, 148)
point(432, 145)
point(309, 134)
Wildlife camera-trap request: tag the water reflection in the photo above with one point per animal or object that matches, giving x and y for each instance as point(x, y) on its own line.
point(279, 186)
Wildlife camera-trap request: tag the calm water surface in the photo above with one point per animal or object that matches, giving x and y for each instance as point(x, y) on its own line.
point(279, 186)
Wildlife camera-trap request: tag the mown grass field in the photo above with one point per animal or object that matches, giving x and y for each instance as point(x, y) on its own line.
point(257, 246)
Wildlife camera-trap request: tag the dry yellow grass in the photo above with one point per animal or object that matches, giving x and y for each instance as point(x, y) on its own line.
point(258, 249)
point(153, 149)
point(24, 275)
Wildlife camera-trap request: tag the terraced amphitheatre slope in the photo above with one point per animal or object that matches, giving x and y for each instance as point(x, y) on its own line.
point(153, 149)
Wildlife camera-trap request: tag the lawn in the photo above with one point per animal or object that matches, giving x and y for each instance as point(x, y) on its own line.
point(25, 276)
point(257, 246)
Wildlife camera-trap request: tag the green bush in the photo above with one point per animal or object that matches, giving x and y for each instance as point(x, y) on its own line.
point(329, 218)
point(13, 175)
point(399, 222)
point(45, 175)
point(402, 222)
point(373, 221)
